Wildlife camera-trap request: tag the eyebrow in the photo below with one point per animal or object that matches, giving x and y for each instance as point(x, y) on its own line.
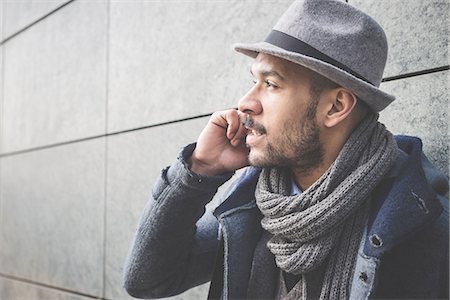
point(267, 73)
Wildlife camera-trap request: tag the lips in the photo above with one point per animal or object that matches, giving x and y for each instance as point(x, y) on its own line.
point(254, 135)
point(252, 131)
point(255, 131)
point(252, 127)
point(253, 138)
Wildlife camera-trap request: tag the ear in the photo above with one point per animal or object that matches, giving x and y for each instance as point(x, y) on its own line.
point(340, 107)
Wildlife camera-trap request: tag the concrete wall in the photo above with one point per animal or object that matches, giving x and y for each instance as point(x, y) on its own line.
point(97, 96)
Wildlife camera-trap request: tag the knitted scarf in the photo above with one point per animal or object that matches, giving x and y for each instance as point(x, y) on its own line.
point(329, 217)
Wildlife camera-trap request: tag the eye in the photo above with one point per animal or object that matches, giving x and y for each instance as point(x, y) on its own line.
point(270, 84)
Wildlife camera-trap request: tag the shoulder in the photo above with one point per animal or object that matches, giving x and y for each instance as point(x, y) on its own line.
point(410, 215)
point(412, 196)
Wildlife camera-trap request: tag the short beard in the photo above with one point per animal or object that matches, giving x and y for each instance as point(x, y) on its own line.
point(303, 142)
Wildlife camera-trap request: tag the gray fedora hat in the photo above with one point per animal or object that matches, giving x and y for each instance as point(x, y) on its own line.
point(335, 40)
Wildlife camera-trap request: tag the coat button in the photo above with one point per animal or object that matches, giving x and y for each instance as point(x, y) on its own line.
point(363, 276)
point(376, 241)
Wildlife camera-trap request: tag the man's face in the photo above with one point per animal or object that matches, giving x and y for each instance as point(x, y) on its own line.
point(281, 110)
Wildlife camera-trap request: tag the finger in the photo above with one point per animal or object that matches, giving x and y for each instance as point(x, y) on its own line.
point(232, 119)
point(240, 135)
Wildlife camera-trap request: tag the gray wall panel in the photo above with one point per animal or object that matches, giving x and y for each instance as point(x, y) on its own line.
point(173, 59)
point(1, 114)
point(55, 78)
point(17, 290)
point(1, 117)
point(1, 93)
point(52, 222)
point(19, 14)
point(417, 32)
point(1, 19)
point(421, 109)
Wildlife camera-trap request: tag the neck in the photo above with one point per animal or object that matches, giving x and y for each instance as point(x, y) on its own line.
point(305, 180)
point(332, 141)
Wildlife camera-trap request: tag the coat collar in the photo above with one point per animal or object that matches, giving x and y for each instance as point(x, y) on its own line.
point(240, 194)
point(239, 219)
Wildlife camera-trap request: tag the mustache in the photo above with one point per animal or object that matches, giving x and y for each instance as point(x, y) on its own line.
point(249, 123)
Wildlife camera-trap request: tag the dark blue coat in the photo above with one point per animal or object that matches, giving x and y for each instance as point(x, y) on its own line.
point(403, 254)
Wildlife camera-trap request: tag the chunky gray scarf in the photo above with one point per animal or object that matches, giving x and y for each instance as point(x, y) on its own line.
point(329, 217)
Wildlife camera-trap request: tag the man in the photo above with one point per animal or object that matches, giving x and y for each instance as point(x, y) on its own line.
point(332, 205)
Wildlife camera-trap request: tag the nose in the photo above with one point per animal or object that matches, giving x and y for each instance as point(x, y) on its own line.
point(250, 103)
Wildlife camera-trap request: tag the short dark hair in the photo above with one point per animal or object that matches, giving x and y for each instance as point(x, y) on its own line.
point(319, 83)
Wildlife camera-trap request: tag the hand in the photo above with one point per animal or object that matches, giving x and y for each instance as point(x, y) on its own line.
point(221, 145)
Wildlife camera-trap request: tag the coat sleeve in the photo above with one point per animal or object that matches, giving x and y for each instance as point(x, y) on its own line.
point(175, 244)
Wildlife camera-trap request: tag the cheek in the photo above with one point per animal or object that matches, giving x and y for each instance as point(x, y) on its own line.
point(289, 112)
point(284, 123)
point(280, 110)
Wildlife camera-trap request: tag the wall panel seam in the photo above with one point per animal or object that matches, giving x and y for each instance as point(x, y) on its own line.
point(44, 285)
point(11, 36)
point(12, 153)
point(416, 73)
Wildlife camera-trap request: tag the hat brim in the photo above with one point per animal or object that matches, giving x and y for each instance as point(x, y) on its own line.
point(371, 95)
